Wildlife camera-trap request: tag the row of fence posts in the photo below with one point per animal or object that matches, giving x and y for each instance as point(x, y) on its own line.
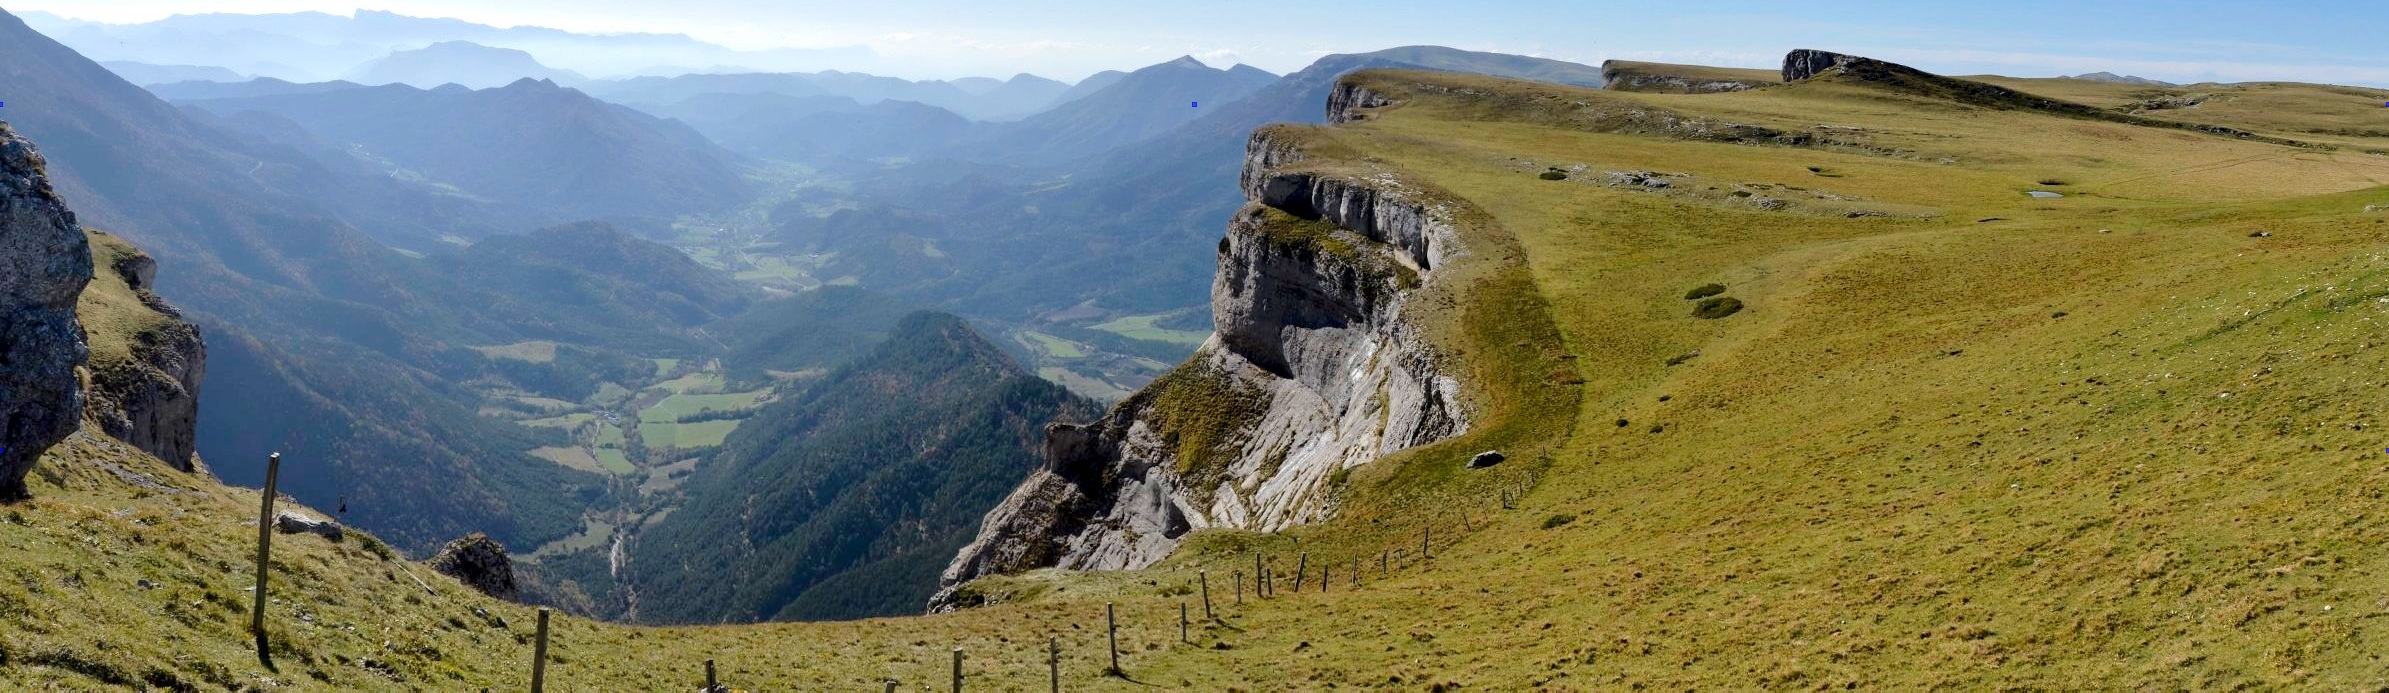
point(1264, 586)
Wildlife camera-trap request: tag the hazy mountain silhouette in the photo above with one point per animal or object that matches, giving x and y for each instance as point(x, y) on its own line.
point(530, 142)
point(458, 62)
point(146, 74)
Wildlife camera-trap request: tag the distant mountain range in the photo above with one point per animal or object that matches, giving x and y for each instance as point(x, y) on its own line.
point(1138, 105)
point(458, 62)
point(2122, 79)
point(313, 46)
point(146, 74)
point(1014, 98)
point(530, 143)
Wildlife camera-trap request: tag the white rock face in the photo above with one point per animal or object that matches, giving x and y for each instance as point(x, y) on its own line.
point(1313, 360)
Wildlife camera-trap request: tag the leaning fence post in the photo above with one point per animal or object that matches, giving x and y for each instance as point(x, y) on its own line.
point(1205, 577)
point(1111, 636)
point(1053, 662)
point(1326, 575)
point(539, 655)
point(1302, 567)
point(1356, 572)
point(265, 549)
point(957, 670)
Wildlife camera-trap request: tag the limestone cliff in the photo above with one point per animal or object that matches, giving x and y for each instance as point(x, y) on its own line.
point(44, 263)
point(146, 361)
point(1314, 369)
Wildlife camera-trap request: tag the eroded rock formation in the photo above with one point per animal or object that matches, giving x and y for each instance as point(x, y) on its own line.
point(1314, 369)
point(44, 263)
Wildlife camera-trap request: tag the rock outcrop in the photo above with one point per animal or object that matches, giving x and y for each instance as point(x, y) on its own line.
point(1314, 369)
point(290, 522)
point(146, 361)
point(479, 562)
point(1804, 63)
point(44, 263)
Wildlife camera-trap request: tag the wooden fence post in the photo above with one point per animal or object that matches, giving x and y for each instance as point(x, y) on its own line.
point(1356, 572)
point(1111, 631)
point(1053, 662)
point(891, 686)
point(711, 683)
point(1205, 577)
point(958, 670)
point(1426, 535)
point(539, 655)
point(265, 550)
point(1260, 579)
point(1326, 575)
point(1385, 563)
point(1182, 623)
point(1240, 588)
point(1302, 567)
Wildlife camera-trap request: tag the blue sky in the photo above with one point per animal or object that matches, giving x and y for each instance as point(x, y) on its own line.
point(2177, 41)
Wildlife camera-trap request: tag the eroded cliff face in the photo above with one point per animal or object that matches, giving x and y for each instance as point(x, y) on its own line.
point(44, 263)
point(1314, 369)
point(146, 361)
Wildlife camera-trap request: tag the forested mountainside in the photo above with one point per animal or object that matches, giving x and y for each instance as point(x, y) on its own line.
point(844, 499)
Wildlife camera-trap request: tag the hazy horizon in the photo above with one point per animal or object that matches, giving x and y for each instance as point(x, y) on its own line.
point(945, 39)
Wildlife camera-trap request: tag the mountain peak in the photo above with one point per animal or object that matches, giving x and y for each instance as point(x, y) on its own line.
point(1187, 61)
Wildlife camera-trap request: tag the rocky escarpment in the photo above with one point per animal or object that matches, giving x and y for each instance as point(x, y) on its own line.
point(146, 361)
point(1344, 105)
point(1625, 75)
point(44, 263)
point(1314, 369)
point(1810, 64)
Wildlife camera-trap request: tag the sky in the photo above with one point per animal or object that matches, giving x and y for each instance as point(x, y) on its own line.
point(2183, 41)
